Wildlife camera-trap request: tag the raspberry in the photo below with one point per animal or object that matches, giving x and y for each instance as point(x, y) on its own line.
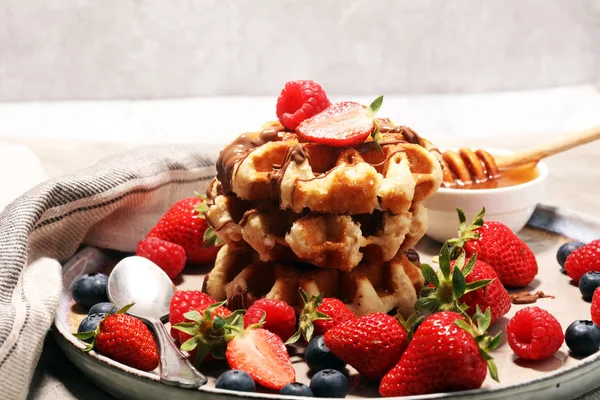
point(170, 257)
point(584, 259)
point(300, 100)
point(534, 334)
point(595, 308)
point(184, 301)
point(280, 317)
point(337, 311)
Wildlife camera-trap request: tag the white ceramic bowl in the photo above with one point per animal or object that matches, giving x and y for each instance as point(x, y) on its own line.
point(511, 205)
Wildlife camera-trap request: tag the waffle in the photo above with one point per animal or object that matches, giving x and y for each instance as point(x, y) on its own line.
point(324, 240)
point(274, 165)
point(241, 278)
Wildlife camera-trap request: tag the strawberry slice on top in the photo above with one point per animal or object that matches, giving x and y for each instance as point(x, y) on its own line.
point(343, 124)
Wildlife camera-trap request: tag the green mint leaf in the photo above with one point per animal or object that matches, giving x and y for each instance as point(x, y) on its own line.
point(458, 283)
point(376, 105)
point(430, 275)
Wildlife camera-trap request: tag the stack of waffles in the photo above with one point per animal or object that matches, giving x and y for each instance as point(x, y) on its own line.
point(335, 221)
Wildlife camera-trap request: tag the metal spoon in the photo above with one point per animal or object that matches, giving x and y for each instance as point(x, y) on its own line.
point(139, 279)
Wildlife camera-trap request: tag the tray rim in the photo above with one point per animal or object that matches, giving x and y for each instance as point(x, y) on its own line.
point(538, 220)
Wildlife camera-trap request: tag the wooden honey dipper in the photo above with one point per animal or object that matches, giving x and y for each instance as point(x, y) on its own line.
point(467, 166)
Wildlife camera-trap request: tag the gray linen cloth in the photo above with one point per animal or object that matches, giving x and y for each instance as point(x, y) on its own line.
point(110, 204)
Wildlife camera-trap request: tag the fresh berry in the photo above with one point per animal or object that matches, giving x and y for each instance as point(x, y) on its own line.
point(318, 356)
point(474, 284)
point(300, 100)
point(588, 283)
point(582, 338)
point(495, 244)
point(329, 383)
point(125, 339)
point(90, 322)
point(296, 389)
point(182, 224)
point(102, 308)
point(595, 307)
point(584, 259)
point(372, 344)
point(263, 355)
point(184, 301)
point(534, 334)
point(236, 380)
point(170, 257)
point(318, 315)
point(280, 317)
point(344, 124)
point(445, 354)
point(90, 289)
point(209, 341)
point(565, 251)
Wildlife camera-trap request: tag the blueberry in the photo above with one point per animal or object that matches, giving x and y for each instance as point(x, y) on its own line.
point(583, 338)
point(296, 389)
point(104, 308)
point(318, 357)
point(588, 284)
point(237, 380)
point(90, 322)
point(90, 289)
point(565, 250)
point(329, 383)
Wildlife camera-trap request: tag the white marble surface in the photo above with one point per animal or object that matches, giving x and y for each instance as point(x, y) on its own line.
point(87, 49)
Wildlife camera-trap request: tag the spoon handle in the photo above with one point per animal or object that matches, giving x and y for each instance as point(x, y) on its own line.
point(175, 368)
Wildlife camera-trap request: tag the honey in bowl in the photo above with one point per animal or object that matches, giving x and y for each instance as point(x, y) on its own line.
point(509, 177)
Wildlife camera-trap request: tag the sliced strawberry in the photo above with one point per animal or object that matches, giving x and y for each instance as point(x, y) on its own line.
point(344, 124)
point(263, 356)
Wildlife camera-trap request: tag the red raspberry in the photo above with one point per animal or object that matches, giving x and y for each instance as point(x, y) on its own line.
point(595, 308)
point(337, 311)
point(280, 317)
point(584, 259)
point(300, 100)
point(170, 257)
point(184, 301)
point(534, 334)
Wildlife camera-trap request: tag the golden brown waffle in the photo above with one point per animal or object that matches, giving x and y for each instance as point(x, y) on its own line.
point(325, 240)
point(240, 278)
point(274, 165)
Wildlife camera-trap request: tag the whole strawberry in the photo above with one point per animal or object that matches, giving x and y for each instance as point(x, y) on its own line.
point(184, 301)
point(262, 355)
point(584, 259)
point(495, 244)
point(280, 318)
point(170, 257)
point(184, 225)
point(318, 315)
point(372, 344)
point(125, 339)
point(463, 285)
point(445, 354)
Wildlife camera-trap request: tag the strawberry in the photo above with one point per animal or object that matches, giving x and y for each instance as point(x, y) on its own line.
point(446, 353)
point(463, 285)
point(319, 315)
point(372, 344)
point(183, 224)
point(584, 259)
point(261, 354)
point(170, 257)
point(496, 245)
point(202, 334)
point(344, 124)
point(184, 301)
point(280, 317)
point(125, 339)
point(595, 307)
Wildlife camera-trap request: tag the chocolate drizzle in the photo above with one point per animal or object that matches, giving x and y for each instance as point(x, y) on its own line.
point(239, 148)
point(296, 153)
point(409, 136)
point(528, 298)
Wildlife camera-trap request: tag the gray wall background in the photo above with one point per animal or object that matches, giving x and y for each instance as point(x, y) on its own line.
point(112, 49)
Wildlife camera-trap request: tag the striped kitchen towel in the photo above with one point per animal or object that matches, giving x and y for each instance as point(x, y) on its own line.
point(111, 204)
